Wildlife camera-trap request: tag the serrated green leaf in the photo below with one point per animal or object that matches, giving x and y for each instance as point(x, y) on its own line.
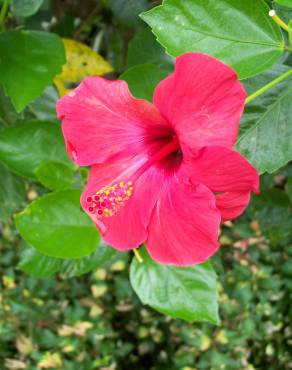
point(265, 136)
point(29, 60)
point(56, 226)
point(142, 79)
point(12, 193)
point(188, 293)
point(25, 146)
point(25, 8)
point(54, 175)
point(240, 33)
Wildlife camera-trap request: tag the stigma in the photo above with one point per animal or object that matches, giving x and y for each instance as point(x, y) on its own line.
point(107, 201)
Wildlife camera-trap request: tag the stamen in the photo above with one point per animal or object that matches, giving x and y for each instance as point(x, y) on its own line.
point(107, 201)
point(278, 20)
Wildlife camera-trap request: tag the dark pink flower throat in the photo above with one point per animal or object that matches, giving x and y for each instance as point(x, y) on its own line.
point(108, 200)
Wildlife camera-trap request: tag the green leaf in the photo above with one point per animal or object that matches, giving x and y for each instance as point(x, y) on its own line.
point(144, 49)
point(240, 33)
point(273, 210)
point(54, 175)
point(8, 114)
point(44, 107)
point(12, 193)
point(127, 11)
point(25, 146)
point(290, 32)
point(101, 258)
point(29, 60)
point(285, 3)
point(265, 136)
point(56, 226)
point(188, 293)
point(142, 79)
point(38, 264)
point(25, 8)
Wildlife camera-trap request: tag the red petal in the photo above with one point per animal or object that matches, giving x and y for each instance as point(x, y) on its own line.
point(102, 120)
point(222, 169)
point(232, 205)
point(184, 226)
point(127, 228)
point(203, 100)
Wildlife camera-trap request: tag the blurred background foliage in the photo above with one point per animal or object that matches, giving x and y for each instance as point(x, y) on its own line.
point(95, 321)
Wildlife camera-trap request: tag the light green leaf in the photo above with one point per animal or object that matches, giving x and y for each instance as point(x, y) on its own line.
point(265, 132)
point(25, 146)
point(38, 264)
point(56, 226)
point(285, 3)
point(25, 8)
point(29, 60)
point(54, 175)
point(12, 193)
point(240, 33)
point(142, 79)
point(144, 49)
point(188, 293)
point(290, 32)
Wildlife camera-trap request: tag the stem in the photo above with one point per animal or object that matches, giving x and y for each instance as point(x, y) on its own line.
point(3, 12)
point(138, 256)
point(268, 86)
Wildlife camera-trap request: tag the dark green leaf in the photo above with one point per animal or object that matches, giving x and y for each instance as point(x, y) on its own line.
point(12, 193)
point(187, 293)
point(265, 137)
point(25, 146)
point(44, 107)
point(56, 226)
point(25, 8)
point(38, 264)
point(127, 10)
point(142, 79)
point(240, 33)
point(29, 60)
point(285, 2)
point(144, 49)
point(8, 114)
point(77, 267)
point(54, 175)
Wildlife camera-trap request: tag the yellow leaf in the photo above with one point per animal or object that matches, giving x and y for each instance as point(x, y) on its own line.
point(24, 345)
point(12, 364)
point(81, 61)
point(51, 361)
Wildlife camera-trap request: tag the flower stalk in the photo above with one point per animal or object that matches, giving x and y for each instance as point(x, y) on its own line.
point(271, 84)
point(278, 20)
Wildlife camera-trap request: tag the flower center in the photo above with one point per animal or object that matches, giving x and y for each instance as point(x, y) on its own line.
point(108, 200)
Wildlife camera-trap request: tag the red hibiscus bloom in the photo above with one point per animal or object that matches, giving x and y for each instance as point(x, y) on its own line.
point(162, 173)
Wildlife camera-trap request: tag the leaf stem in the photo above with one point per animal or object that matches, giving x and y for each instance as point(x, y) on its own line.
point(137, 255)
point(3, 12)
point(268, 86)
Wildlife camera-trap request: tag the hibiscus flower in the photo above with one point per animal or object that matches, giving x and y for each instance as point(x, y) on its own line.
point(163, 174)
